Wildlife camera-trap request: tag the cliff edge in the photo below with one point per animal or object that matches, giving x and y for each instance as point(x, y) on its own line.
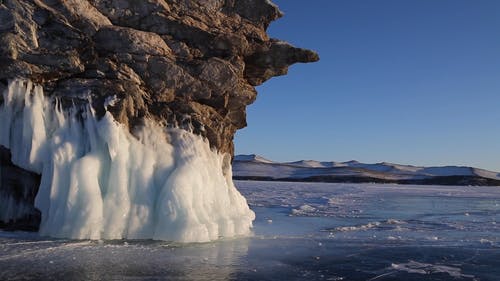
point(186, 63)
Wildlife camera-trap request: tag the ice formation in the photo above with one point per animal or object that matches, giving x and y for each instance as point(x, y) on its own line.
point(101, 182)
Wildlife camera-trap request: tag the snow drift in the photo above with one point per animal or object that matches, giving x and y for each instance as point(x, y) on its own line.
point(99, 181)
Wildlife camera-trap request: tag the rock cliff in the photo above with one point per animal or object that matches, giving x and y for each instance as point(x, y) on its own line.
point(192, 64)
point(186, 63)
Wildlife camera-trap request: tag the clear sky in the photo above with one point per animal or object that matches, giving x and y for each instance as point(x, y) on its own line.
point(405, 81)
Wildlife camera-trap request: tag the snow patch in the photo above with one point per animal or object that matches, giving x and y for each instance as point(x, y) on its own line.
point(370, 225)
point(304, 210)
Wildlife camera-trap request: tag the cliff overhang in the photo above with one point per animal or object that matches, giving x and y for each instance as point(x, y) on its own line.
point(185, 63)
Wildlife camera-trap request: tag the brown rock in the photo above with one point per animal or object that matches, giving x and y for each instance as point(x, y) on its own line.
point(190, 63)
point(115, 39)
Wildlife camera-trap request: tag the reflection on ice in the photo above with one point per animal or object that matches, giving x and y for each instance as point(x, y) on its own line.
point(398, 233)
point(119, 260)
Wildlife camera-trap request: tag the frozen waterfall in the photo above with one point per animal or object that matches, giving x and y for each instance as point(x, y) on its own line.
point(101, 182)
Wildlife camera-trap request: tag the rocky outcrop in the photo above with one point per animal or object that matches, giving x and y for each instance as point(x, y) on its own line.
point(18, 189)
point(187, 63)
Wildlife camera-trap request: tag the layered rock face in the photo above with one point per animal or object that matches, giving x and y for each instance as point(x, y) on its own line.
point(185, 63)
point(188, 64)
point(18, 189)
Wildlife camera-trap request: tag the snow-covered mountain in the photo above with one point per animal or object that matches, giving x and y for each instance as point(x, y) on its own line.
point(257, 167)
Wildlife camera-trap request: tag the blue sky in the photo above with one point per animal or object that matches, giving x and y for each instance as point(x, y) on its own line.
point(406, 81)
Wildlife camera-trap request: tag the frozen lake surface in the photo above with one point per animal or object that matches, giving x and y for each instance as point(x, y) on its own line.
point(303, 231)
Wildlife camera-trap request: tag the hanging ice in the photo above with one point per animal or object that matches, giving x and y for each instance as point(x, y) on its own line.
point(101, 182)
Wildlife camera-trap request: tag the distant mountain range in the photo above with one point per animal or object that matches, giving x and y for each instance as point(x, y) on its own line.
point(254, 167)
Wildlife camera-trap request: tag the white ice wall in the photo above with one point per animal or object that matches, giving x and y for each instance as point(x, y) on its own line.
point(101, 182)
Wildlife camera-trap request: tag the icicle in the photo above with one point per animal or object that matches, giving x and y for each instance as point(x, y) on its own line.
point(101, 182)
